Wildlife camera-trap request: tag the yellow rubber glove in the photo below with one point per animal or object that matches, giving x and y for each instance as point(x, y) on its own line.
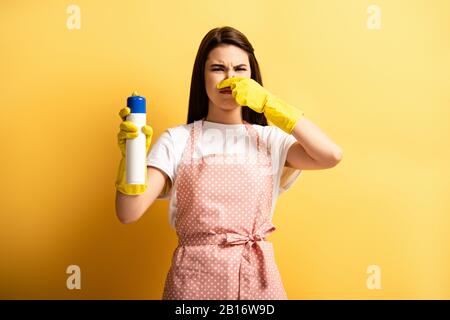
point(128, 130)
point(250, 93)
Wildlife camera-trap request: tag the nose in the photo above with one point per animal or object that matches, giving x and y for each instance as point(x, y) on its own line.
point(230, 74)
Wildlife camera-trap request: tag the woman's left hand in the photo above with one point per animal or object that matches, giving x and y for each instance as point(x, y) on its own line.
point(246, 92)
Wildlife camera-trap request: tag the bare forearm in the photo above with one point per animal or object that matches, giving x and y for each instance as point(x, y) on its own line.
point(315, 142)
point(128, 207)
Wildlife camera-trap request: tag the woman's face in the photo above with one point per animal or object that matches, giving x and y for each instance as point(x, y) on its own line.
point(224, 61)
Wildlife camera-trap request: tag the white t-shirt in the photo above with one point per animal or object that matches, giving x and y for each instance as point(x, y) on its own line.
point(165, 154)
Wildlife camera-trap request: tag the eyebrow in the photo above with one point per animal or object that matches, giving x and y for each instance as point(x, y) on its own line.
point(221, 65)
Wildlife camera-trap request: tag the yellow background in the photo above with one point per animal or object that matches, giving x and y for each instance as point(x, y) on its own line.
point(382, 95)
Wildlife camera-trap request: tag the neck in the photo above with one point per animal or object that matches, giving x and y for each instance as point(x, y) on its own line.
point(218, 115)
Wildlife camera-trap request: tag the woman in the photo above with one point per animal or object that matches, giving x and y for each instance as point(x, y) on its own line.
point(223, 172)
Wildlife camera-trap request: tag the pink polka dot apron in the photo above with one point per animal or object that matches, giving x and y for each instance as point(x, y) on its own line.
point(223, 216)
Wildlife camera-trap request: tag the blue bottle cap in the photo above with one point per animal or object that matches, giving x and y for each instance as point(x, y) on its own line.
point(136, 103)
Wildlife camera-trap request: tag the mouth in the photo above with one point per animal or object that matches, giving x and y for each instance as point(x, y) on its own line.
point(225, 90)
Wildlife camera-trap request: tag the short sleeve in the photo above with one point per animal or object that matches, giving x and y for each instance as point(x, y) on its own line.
point(281, 143)
point(162, 156)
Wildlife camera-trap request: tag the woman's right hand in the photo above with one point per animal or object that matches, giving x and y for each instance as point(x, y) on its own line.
point(128, 130)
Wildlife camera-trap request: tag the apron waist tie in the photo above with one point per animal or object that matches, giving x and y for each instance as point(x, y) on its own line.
point(249, 241)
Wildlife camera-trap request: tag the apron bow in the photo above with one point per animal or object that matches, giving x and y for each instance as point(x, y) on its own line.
point(249, 241)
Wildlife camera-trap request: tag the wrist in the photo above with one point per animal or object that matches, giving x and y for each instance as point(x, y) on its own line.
point(281, 113)
point(121, 184)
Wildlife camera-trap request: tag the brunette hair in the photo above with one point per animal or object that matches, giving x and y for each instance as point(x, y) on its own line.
point(198, 99)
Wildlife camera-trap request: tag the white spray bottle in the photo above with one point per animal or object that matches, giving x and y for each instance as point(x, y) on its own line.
point(136, 156)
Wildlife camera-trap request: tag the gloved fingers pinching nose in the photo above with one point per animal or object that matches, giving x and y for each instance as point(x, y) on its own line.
point(229, 82)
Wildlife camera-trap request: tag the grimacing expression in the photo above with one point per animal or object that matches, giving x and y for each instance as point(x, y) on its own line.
point(223, 62)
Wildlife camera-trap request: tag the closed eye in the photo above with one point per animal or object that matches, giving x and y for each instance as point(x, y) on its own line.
point(219, 69)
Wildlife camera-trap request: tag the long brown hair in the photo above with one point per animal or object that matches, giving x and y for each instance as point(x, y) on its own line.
point(198, 99)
